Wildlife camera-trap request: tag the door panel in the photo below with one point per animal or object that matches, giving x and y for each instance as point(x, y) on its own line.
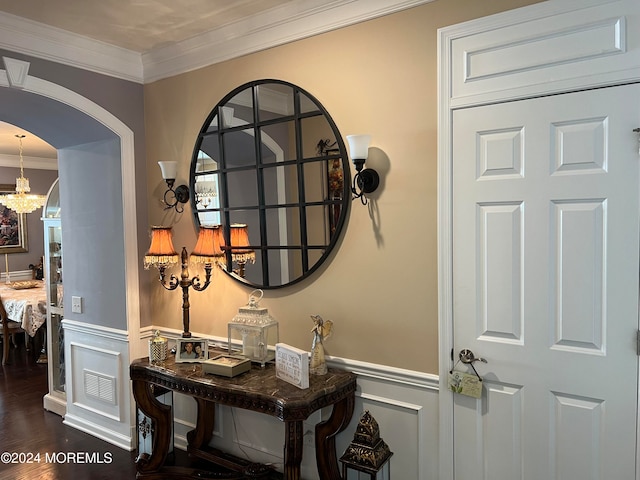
point(545, 285)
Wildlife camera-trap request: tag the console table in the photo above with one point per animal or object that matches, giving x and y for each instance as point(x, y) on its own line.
point(258, 390)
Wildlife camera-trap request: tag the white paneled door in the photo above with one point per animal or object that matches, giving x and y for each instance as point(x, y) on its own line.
point(545, 286)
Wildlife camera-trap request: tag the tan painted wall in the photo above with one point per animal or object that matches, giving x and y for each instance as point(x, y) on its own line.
point(380, 286)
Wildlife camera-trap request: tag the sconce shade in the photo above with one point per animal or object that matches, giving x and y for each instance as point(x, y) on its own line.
point(161, 251)
point(366, 180)
point(208, 248)
point(239, 244)
point(359, 146)
point(227, 116)
point(169, 170)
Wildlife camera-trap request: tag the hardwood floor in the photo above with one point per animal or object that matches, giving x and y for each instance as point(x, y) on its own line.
point(35, 444)
point(26, 430)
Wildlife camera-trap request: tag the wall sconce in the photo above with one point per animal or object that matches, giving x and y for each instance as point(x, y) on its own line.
point(180, 194)
point(240, 253)
point(365, 180)
point(161, 255)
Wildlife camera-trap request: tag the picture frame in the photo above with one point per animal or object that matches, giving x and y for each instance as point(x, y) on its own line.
point(192, 350)
point(13, 227)
point(227, 365)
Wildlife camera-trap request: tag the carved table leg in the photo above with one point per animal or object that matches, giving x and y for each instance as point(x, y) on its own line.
point(203, 433)
point(326, 432)
point(162, 419)
point(293, 449)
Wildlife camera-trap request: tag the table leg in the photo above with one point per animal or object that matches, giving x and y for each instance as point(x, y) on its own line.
point(326, 432)
point(161, 416)
point(200, 436)
point(293, 449)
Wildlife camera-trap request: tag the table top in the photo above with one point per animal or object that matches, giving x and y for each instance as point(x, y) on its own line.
point(258, 389)
point(27, 306)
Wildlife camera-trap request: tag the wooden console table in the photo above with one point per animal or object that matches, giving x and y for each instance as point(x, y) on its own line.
point(258, 390)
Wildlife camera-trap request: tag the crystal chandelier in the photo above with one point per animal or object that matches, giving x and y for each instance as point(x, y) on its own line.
point(22, 201)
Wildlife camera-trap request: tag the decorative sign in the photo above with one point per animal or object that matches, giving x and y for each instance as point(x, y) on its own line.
point(465, 384)
point(292, 365)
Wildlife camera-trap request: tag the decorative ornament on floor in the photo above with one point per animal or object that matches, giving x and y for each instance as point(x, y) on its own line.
point(22, 201)
point(320, 330)
point(367, 452)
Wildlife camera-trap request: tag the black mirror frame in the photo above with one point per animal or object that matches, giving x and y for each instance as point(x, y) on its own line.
point(338, 151)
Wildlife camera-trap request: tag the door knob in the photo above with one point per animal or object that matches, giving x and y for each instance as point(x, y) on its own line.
point(467, 356)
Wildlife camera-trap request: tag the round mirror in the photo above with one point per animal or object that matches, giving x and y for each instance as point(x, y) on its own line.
point(271, 168)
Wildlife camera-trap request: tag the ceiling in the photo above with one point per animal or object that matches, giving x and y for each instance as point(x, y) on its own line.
point(140, 25)
point(145, 40)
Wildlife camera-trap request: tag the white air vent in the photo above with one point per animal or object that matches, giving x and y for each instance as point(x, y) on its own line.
point(100, 386)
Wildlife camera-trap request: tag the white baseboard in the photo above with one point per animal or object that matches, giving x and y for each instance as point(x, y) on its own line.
point(120, 440)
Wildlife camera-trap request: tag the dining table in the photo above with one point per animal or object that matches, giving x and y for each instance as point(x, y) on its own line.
point(25, 303)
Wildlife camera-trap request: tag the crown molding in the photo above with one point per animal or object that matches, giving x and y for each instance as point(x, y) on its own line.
point(268, 29)
point(49, 43)
point(290, 22)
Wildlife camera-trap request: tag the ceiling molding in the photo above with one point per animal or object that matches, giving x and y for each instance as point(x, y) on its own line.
point(273, 27)
point(49, 43)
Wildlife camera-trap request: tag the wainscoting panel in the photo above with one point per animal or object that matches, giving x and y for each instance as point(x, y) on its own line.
point(99, 399)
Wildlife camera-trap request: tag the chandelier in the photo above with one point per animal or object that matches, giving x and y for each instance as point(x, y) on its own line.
point(22, 201)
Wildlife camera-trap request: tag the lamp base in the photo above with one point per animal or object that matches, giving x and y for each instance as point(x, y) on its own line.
point(368, 180)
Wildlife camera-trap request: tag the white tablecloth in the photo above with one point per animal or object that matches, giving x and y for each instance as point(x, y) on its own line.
point(27, 306)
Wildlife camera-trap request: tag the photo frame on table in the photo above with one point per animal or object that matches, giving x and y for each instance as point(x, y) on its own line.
point(13, 227)
point(191, 350)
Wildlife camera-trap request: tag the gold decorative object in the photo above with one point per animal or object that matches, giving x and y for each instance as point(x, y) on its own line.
point(162, 254)
point(321, 330)
point(367, 452)
point(158, 347)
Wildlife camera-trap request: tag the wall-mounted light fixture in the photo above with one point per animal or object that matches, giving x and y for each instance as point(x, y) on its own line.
point(161, 255)
point(366, 180)
point(180, 194)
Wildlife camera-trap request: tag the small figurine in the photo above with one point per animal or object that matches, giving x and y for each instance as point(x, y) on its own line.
point(321, 330)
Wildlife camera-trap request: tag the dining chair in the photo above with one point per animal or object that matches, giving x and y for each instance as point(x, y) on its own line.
point(9, 329)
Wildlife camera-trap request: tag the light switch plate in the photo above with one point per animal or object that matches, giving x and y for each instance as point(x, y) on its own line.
point(76, 304)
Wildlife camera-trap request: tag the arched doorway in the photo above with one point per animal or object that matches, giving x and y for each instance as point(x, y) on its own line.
point(97, 175)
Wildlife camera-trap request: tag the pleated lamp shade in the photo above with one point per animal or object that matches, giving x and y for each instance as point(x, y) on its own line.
point(208, 248)
point(240, 243)
point(161, 252)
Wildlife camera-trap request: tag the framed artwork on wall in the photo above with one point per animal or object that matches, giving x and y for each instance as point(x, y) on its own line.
point(13, 227)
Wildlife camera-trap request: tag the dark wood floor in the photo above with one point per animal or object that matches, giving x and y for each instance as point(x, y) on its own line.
point(26, 429)
point(35, 444)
